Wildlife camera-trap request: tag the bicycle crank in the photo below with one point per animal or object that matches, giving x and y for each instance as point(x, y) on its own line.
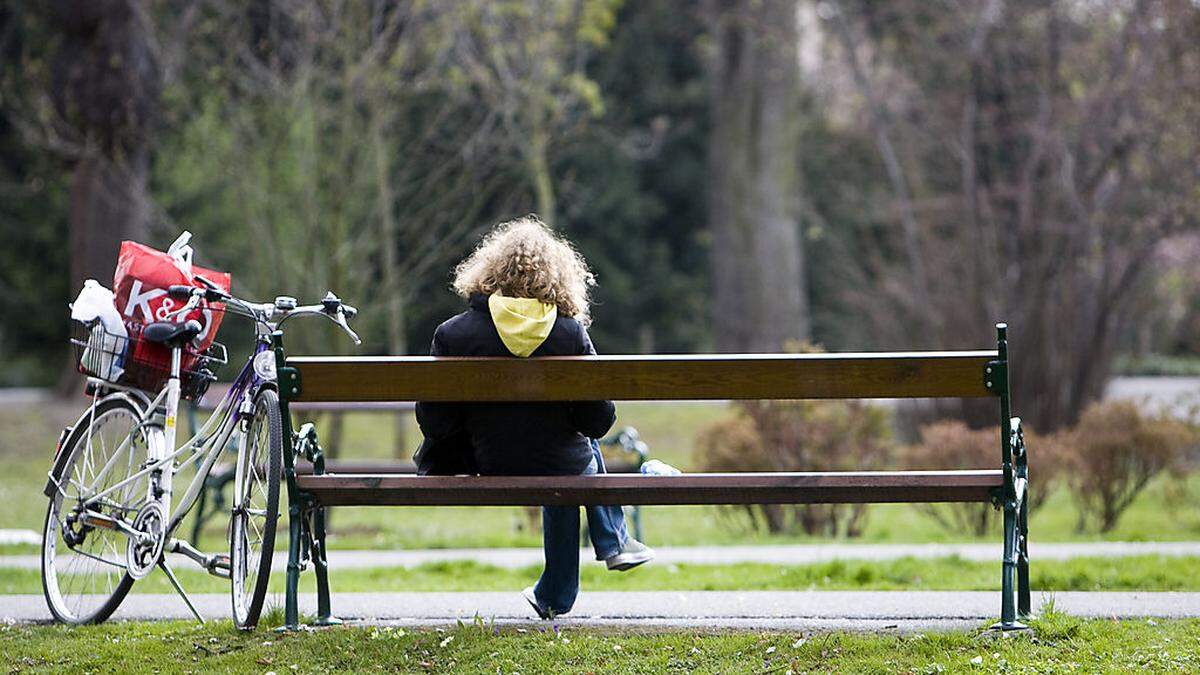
point(145, 550)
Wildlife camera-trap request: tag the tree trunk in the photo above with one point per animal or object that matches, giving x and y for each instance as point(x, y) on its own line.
point(398, 343)
point(760, 298)
point(539, 173)
point(392, 283)
point(107, 82)
point(107, 206)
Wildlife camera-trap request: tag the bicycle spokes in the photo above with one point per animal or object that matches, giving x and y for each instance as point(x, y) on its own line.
point(84, 561)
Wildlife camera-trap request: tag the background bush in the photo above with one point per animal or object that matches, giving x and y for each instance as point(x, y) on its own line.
point(948, 445)
point(800, 436)
point(1114, 452)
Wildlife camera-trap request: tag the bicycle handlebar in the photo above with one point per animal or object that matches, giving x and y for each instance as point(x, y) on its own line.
point(330, 307)
point(284, 308)
point(210, 294)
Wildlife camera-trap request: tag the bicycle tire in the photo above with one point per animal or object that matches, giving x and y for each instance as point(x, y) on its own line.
point(266, 424)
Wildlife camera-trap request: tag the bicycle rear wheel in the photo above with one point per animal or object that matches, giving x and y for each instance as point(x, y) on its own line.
point(252, 530)
point(84, 573)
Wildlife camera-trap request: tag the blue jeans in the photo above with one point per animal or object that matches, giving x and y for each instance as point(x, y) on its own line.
point(559, 584)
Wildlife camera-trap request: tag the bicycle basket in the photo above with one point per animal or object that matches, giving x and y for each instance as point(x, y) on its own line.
point(138, 363)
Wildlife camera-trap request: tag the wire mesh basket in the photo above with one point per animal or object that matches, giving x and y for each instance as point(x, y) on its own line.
point(132, 361)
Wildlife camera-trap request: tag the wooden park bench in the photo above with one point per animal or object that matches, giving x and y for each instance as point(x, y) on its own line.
point(668, 377)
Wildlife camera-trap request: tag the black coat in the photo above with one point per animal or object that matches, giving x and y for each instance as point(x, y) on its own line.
point(509, 439)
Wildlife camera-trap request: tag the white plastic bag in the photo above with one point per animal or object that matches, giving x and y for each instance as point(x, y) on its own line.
point(104, 355)
point(97, 302)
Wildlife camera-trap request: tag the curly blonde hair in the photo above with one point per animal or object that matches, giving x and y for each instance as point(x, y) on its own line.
point(523, 258)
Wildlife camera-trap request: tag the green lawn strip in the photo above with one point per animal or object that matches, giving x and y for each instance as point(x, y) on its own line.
point(20, 549)
point(1145, 573)
point(1057, 644)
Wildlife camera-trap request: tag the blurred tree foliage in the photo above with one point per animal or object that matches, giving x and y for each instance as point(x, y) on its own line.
point(1032, 160)
point(630, 184)
point(33, 222)
point(957, 163)
point(364, 146)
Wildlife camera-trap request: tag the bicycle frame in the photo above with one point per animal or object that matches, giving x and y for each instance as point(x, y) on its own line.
point(207, 442)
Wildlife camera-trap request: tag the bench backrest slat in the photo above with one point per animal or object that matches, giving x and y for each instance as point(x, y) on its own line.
point(631, 378)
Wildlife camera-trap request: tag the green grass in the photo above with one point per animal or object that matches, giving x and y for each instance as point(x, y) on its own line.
point(1059, 644)
point(27, 436)
point(1145, 573)
point(1158, 365)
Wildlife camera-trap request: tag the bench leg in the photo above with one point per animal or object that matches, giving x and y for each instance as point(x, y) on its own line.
point(321, 564)
point(1008, 578)
point(292, 591)
point(1024, 609)
point(1014, 579)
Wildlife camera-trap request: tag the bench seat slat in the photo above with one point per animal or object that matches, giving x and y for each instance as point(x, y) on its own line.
point(629, 378)
point(616, 489)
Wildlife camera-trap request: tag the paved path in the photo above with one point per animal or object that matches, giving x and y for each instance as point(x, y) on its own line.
point(783, 610)
point(1176, 394)
point(792, 555)
point(20, 537)
point(722, 555)
point(798, 554)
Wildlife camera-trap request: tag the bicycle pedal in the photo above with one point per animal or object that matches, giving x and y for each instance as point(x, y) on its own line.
point(220, 565)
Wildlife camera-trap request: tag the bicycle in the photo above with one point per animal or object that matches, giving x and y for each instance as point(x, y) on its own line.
point(110, 487)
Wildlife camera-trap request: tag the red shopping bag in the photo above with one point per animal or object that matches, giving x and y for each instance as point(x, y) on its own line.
point(141, 281)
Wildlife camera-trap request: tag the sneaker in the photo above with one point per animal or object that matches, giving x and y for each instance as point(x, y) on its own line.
point(632, 554)
point(531, 598)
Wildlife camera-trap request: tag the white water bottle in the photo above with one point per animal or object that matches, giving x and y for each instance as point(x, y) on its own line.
point(656, 467)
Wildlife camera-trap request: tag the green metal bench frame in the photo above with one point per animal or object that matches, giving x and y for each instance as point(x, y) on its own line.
point(909, 375)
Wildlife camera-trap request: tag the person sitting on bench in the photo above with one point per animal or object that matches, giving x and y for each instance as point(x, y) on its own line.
point(527, 291)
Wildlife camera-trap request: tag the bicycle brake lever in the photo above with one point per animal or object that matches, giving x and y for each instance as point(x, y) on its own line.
point(341, 322)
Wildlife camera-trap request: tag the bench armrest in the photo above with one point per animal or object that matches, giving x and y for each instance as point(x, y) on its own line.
point(1020, 458)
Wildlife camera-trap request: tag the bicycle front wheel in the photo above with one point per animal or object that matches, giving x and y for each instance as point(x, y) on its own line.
point(252, 530)
point(84, 573)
